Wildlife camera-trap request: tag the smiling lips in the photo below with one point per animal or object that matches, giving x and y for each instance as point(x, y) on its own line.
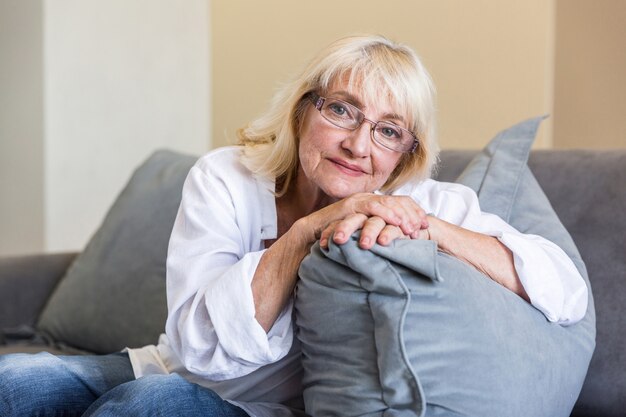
point(350, 169)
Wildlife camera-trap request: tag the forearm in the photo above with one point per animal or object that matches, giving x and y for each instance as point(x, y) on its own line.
point(485, 253)
point(277, 273)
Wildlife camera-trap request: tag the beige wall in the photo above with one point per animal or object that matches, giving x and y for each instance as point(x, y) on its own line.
point(590, 78)
point(492, 61)
point(124, 78)
point(21, 127)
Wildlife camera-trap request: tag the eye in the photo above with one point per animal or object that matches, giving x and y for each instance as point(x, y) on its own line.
point(389, 131)
point(337, 109)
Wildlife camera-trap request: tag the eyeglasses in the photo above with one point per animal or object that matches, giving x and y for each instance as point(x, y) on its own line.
point(347, 116)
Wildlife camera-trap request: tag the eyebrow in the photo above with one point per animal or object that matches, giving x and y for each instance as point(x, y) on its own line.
point(354, 100)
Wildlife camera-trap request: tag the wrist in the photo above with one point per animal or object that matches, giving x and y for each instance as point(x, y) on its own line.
point(436, 231)
point(303, 233)
point(432, 226)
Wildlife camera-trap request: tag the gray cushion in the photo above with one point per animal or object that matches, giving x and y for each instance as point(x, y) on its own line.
point(409, 331)
point(113, 295)
point(587, 189)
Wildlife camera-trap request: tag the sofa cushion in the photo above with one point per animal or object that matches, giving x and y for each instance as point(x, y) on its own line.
point(113, 295)
point(408, 330)
point(586, 189)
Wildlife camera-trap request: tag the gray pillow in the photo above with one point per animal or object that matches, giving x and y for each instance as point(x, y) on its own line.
point(406, 330)
point(113, 295)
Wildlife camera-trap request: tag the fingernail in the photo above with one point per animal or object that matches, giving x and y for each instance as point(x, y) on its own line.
point(338, 236)
point(365, 241)
point(323, 242)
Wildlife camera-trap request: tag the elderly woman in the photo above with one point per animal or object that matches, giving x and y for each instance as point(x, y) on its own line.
point(349, 145)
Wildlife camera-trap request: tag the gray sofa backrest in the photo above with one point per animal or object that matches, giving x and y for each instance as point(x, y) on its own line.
point(586, 188)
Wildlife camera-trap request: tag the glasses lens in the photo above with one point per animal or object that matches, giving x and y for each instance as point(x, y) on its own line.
point(394, 137)
point(347, 116)
point(341, 114)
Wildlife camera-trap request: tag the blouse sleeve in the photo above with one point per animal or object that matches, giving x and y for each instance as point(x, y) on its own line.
point(550, 278)
point(211, 260)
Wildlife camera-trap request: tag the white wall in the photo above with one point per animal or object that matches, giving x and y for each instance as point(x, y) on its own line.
point(88, 90)
point(21, 127)
point(122, 78)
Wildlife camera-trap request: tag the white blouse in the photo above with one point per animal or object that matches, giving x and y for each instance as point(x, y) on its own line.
point(212, 337)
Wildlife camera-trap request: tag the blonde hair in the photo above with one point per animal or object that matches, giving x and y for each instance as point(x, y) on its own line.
point(372, 64)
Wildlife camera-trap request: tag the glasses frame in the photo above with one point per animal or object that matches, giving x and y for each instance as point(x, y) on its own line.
point(318, 102)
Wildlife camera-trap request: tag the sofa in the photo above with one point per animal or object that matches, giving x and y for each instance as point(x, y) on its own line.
point(112, 294)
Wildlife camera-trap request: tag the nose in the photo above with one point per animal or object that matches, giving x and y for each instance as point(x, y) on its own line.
point(358, 142)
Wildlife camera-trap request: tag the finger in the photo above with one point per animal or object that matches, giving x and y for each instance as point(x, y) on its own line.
point(422, 234)
point(327, 233)
point(390, 233)
point(369, 205)
point(400, 211)
point(372, 228)
point(343, 229)
point(417, 217)
point(411, 217)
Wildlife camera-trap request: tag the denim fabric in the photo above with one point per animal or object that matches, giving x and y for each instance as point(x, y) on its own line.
point(48, 385)
point(162, 396)
point(53, 386)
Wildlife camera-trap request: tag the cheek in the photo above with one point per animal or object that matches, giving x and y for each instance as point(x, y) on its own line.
point(385, 164)
point(305, 156)
point(313, 144)
point(308, 153)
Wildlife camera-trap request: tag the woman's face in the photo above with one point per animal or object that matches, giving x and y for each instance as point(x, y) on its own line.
point(342, 162)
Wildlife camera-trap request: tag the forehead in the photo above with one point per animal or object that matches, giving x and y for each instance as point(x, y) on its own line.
point(366, 94)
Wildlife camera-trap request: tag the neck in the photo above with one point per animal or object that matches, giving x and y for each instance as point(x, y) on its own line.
point(301, 199)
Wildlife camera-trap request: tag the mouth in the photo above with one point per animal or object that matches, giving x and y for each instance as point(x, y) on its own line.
point(348, 168)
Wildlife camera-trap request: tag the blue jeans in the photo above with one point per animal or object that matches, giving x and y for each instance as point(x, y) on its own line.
point(46, 385)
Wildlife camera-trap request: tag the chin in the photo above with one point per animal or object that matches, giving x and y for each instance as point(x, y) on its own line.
point(338, 190)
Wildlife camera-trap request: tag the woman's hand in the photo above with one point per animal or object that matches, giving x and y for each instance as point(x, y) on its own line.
point(381, 220)
point(485, 253)
point(373, 230)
